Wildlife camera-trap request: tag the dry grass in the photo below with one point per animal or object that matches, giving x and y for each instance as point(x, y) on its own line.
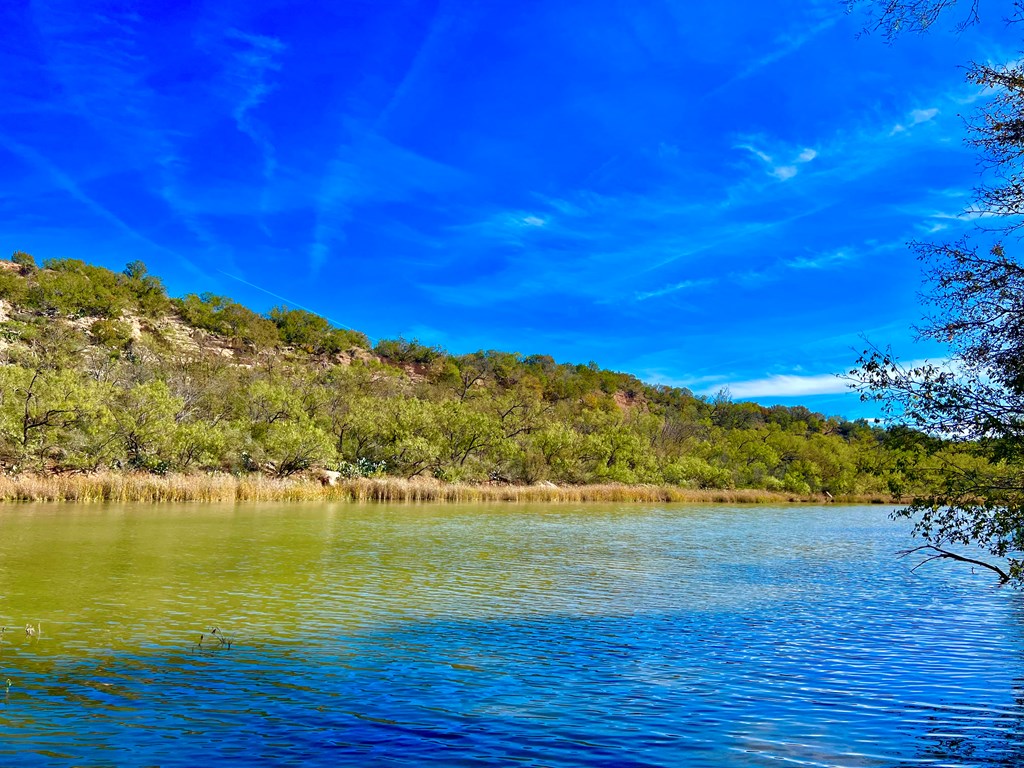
point(129, 487)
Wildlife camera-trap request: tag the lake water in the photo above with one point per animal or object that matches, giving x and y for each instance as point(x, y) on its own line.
point(498, 635)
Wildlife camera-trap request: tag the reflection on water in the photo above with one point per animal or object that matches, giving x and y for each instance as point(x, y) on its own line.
point(546, 635)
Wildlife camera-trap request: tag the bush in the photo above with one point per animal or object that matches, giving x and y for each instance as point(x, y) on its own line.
point(13, 287)
point(73, 288)
point(111, 333)
point(148, 291)
point(25, 261)
point(402, 351)
point(694, 472)
point(225, 317)
point(313, 333)
point(363, 467)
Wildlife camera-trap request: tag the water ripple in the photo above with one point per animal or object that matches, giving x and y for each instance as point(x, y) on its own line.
point(599, 636)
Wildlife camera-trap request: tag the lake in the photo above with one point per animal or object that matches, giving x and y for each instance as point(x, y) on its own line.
point(554, 635)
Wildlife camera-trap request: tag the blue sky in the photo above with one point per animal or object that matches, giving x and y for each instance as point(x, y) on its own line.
point(701, 194)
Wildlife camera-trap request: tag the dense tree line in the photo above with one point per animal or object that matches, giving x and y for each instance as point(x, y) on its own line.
point(105, 370)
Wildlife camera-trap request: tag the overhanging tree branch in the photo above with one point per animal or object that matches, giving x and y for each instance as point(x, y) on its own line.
point(1004, 577)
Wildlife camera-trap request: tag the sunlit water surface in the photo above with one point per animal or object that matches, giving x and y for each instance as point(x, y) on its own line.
point(497, 635)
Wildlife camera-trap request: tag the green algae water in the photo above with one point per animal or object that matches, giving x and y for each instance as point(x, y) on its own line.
point(496, 635)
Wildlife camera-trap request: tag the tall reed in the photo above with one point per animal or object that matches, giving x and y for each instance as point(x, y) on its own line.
point(137, 487)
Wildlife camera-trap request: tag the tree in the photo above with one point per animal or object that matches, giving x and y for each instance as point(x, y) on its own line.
point(893, 18)
point(144, 425)
point(148, 290)
point(973, 404)
point(26, 262)
point(73, 288)
point(402, 350)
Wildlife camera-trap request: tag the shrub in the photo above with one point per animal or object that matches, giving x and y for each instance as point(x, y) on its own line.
point(225, 317)
point(25, 261)
point(13, 287)
point(695, 472)
point(313, 333)
point(401, 350)
point(111, 333)
point(147, 290)
point(74, 288)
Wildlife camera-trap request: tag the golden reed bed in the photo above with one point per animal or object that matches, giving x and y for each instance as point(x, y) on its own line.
point(128, 487)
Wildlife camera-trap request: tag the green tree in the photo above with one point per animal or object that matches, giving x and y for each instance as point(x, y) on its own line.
point(25, 261)
point(147, 290)
point(73, 288)
point(13, 287)
point(973, 405)
point(37, 409)
point(312, 333)
point(225, 317)
point(144, 424)
point(400, 433)
point(402, 350)
point(115, 334)
point(464, 436)
point(286, 447)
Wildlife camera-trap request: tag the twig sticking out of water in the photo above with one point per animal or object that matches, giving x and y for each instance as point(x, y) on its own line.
point(222, 643)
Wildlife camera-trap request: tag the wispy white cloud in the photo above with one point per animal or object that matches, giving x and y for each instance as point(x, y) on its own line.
point(511, 228)
point(736, 232)
point(370, 169)
point(781, 385)
point(817, 261)
point(68, 185)
point(783, 46)
point(252, 65)
point(108, 87)
point(821, 260)
point(693, 383)
point(914, 118)
point(668, 151)
point(933, 214)
point(683, 285)
point(966, 215)
point(626, 237)
point(918, 116)
point(431, 46)
point(563, 206)
point(784, 172)
point(781, 170)
point(664, 226)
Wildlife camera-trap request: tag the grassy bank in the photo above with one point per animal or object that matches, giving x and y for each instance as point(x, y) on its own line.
point(127, 487)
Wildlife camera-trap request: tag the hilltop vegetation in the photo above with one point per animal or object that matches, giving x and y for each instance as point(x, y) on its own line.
point(105, 371)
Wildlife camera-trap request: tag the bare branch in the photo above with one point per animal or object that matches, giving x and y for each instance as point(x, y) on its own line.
point(1004, 577)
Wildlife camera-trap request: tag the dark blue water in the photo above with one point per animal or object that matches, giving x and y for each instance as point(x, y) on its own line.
point(536, 636)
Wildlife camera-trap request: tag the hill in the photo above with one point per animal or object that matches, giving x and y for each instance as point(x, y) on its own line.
point(105, 371)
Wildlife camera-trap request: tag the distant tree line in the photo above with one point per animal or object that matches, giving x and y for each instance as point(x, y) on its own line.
point(105, 370)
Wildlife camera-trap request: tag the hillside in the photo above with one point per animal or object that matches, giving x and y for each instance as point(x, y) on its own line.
point(105, 371)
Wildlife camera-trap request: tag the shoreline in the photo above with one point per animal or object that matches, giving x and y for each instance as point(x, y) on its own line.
point(125, 487)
